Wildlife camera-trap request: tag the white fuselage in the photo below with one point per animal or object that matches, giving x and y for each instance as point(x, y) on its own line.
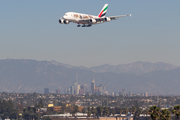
point(79, 17)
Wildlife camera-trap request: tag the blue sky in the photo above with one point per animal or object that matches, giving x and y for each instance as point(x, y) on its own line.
point(30, 30)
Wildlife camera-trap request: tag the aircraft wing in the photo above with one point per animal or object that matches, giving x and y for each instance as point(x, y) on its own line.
point(114, 17)
point(102, 19)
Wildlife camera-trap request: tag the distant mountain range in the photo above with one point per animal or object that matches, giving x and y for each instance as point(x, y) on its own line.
point(134, 68)
point(25, 75)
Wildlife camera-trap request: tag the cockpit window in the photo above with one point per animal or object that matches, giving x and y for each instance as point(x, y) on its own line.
point(65, 14)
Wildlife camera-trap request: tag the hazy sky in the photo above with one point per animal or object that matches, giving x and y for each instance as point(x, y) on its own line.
point(29, 29)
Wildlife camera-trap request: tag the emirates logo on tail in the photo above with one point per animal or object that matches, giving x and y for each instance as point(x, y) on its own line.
point(103, 11)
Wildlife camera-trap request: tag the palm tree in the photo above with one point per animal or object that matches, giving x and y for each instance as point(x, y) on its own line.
point(120, 112)
point(113, 111)
point(94, 111)
point(133, 110)
point(100, 110)
point(145, 112)
point(154, 112)
point(176, 111)
point(125, 111)
point(89, 113)
point(106, 111)
point(83, 111)
point(165, 115)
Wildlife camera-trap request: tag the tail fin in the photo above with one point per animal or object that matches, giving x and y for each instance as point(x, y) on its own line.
point(103, 11)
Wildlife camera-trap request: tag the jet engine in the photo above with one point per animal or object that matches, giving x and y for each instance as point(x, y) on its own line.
point(61, 21)
point(66, 22)
point(107, 19)
point(92, 21)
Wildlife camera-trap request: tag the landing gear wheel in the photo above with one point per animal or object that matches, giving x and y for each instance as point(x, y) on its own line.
point(78, 25)
point(89, 25)
point(83, 25)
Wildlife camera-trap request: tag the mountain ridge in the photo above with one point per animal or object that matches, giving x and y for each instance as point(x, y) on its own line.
point(25, 75)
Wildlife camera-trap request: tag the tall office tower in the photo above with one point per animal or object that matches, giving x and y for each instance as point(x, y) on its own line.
point(81, 91)
point(93, 86)
point(58, 91)
point(69, 91)
point(75, 87)
point(66, 90)
point(72, 90)
point(46, 90)
point(98, 90)
point(146, 94)
point(130, 93)
point(112, 94)
point(84, 88)
point(123, 92)
point(102, 88)
point(78, 88)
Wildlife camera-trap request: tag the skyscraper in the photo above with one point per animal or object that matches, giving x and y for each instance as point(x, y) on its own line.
point(130, 93)
point(93, 86)
point(66, 90)
point(75, 85)
point(146, 94)
point(78, 88)
point(72, 90)
point(58, 91)
point(46, 90)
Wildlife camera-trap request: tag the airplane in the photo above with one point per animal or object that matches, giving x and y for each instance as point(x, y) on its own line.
point(88, 20)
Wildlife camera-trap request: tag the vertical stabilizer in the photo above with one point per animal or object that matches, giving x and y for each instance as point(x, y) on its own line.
point(103, 11)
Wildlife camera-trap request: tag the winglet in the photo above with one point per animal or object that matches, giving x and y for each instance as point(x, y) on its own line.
point(130, 15)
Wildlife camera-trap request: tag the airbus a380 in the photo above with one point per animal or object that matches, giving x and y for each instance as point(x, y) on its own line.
point(88, 20)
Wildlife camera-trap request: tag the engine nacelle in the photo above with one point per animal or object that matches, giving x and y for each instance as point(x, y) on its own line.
point(66, 22)
point(107, 19)
point(92, 20)
point(61, 21)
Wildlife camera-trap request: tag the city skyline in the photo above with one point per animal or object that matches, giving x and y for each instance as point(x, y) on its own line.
point(77, 89)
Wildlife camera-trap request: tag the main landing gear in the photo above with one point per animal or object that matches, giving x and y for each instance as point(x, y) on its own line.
point(84, 25)
point(78, 25)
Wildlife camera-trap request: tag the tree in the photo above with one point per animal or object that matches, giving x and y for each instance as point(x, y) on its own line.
point(154, 112)
point(100, 110)
point(176, 111)
point(165, 115)
point(106, 111)
point(120, 112)
point(83, 111)
point(113, 111)
point(133, 110)
point(76, 109)
point(40, 105)
point(89, 113)
point(125, 111)
point(145, 112)
point(94, 111)
point(89, 109)
point(13, 116)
